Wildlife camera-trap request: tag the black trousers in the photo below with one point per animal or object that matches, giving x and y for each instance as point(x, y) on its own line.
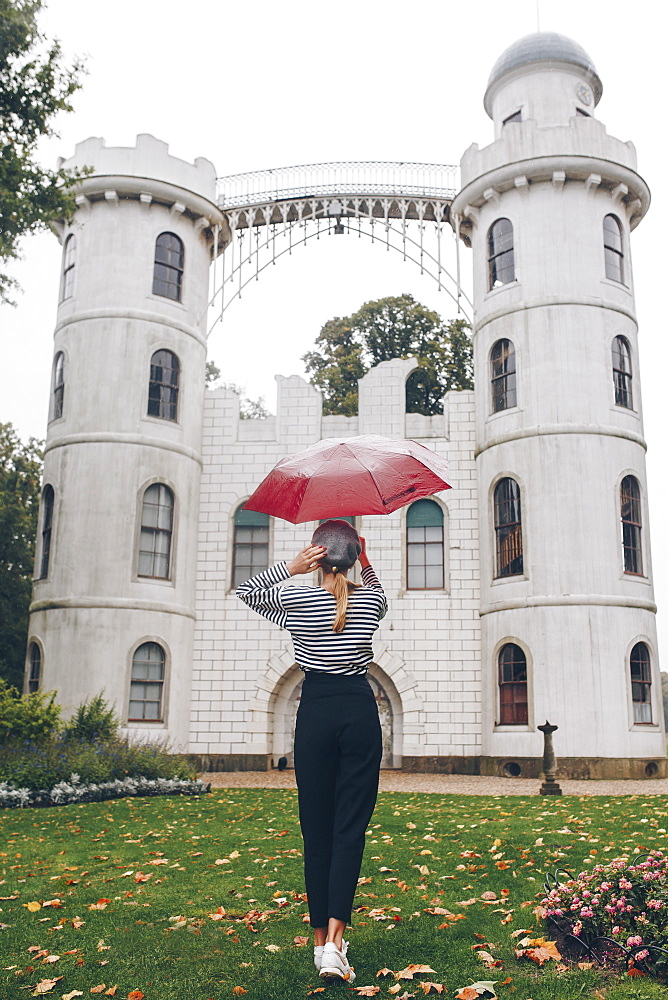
point(338, 747)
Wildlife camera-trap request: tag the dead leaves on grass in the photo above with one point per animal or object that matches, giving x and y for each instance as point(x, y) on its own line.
point(539, 950)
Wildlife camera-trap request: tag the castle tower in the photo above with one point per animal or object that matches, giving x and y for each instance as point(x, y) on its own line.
point(113, 604)
point(567, 605)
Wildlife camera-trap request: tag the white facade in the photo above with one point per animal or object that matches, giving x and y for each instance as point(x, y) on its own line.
point(574, 609)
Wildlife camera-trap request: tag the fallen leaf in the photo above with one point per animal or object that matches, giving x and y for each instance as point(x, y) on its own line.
point(318, 989)
point(45, 986)
point(50, 959)
point(384, 972)
point(271, 947)
point(34, 906)
point(100, 989)
point(467, 993)
point(584, 965)
point(136, 995)
point(430, 987)
point(72, 995)
point(238, 990)
point(413, 970)
point(366, 991)
point(111, 992)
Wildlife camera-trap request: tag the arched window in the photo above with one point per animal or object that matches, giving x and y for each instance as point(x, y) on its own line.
point(631, 525)
point(47, 525)
point(513, 698)
point(621, 372)
point(58, 386)
point(612, 248)
point(508, 528)
point(69, 261)
point(163, 386)
point(641, 683)
point(168, 266)
point(504, 376)
point(251, 544)
point(147, 683)
point(425, 568)
point(157, 515)
point(501, 253)
point(34, 667)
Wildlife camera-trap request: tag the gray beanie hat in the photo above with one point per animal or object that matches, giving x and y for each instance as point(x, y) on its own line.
point(341, 541)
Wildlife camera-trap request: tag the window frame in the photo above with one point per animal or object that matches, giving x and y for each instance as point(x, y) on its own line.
point(425, 543)
point(68, 268)
point(154, 552)
point(163, 682)
point(495, 255)
point(46, 518)
point(613, 256)
point(645, 684)
point(238, 510)
point(509, 374)
point(33, 684)
point(631, 528)
point(172, 270)
point(500, 683)
point(500, 534)
point(58, 388)
point(171, 390)
point(622, 380)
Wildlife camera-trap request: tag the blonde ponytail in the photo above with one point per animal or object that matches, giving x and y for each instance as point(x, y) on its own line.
point(342, 588)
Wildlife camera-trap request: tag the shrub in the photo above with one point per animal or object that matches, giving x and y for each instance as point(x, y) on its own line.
point(626, 903)
point(28, 716)
point(41, 764)
point(93, 720)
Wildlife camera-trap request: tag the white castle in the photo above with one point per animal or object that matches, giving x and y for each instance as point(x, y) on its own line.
point(523, 594)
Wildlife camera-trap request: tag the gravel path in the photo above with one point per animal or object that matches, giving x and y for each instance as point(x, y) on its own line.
point(448, 784)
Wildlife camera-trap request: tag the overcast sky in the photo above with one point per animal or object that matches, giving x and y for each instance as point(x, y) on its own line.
point(259, 83)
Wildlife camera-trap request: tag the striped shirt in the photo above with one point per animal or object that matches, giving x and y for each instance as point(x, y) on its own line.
point(308, 614)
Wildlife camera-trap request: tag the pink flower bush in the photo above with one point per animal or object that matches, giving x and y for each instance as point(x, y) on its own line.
point(628, 902)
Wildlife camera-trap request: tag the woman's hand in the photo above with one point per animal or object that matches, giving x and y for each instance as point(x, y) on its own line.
point(307, 560)
point(363, 558)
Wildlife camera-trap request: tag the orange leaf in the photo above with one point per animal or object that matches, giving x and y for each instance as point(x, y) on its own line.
point(34, 906)
point(99, 989)
point(384, 972)
point(413, 970)
point(507, 980)
point(318, 989)
point(468, 993)
point(136, 995)
point(428, 987)
point(635, 972)
point(111, 992)
point(366, 991)
point(238, 990)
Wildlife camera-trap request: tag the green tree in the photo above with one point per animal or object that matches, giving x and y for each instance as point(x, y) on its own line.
point(34, 88)
point(394, 327)
point(20, 475)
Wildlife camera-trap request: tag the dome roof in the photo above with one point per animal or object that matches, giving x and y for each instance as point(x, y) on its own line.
point(543, 47)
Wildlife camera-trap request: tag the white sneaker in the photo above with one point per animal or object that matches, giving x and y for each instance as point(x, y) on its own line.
point(334, 964)
point(317, 955)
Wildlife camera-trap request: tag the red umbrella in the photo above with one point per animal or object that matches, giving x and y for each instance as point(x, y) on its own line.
point(369, 474)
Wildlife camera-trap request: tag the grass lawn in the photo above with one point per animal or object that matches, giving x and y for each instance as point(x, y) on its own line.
point(129, 893)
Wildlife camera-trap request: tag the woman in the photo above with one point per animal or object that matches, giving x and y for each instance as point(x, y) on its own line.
point(337, 737)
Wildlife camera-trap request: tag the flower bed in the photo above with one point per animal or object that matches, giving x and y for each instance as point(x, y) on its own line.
point(615, 912)
point(66, 792)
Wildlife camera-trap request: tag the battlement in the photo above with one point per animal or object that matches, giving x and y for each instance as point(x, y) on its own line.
point(149, 158)
point(299, 420)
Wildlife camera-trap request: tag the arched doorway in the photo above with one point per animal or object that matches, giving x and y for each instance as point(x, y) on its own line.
point(385, 714)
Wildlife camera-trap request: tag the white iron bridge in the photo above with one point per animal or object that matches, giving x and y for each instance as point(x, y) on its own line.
point(403, 205)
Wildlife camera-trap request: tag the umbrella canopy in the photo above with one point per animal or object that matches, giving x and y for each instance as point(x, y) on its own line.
point(369, 474)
